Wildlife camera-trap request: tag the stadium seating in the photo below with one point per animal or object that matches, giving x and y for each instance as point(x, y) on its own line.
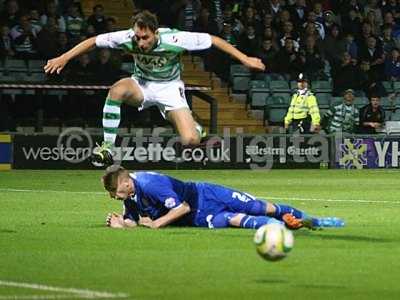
point(319, 86)
point(359, 102)
point(240, 78)
point(276, 108)
point(258, 92)
point(277, 86)
point(388, 86)
point(323, 100)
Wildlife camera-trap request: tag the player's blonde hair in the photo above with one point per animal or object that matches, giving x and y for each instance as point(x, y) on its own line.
point(111, 175)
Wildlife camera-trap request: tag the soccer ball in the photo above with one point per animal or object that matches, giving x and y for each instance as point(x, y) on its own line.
point(273, 241)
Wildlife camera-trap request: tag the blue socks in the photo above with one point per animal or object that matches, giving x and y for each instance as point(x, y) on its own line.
point(282, 209)
point(256, 222)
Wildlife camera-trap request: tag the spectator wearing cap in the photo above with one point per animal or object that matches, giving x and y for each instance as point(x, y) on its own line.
point(372, 116)
point(303, 113)
point(343, 117)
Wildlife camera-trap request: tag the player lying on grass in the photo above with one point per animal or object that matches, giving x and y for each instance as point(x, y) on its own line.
point(154, 200)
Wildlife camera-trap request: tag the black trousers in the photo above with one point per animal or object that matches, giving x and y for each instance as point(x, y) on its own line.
point(301, 126)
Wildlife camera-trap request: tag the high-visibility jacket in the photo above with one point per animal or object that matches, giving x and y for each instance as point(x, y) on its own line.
point(302, 105)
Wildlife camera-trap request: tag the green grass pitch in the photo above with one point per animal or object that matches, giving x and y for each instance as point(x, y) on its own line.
point(52, 234)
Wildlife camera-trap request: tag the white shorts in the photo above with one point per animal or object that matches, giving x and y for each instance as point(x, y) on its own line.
point(167, 96)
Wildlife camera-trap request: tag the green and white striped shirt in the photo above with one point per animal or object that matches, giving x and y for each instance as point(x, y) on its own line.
point(163, 62)
point(343, 118)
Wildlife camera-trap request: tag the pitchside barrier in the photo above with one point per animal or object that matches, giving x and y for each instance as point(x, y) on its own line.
point(71, 150)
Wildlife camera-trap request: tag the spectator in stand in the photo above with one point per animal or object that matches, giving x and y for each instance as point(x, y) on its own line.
point(228, 35)
point(111, 24)
point(366, 33)
point(288, 32)
point(202, 24)
point(275, 7)
point(267, 54)
point(11, 13)
point(236, 25)
point(25, 39)
point(392, 66)
point(312, 18)
point(311, 60)
point(333, 46)
point(319, 13)
point(342, 117)
point(311, 30)
point(387, 41)
point(270, 34)
point(88, 32)
point(298, 12)
point(329, 21)
point(63, 44)
point(389, 21)
point(284, 16)
point(371, 81)
point(373, 22)
point(250, 19)
point(287, 59)
point(248, 41)
point(98, 20)
point(372, 116)
point(268, 21)
point(373, 6)
point(346, 75)
point(81, 70)
point(188, 14)
point(51, 11)
point(350, 45)
point(75, 23)
point(47, 39)
point(351, 22)
point(105, 71)
point(35, 19)
point(348, 5)
point(374, 54)
point(391, 6)
point(6, 43)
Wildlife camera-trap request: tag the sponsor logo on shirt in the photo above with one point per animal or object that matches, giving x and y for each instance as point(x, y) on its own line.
point(170, 202)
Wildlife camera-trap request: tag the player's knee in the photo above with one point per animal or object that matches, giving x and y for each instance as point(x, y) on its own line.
point(271, 208)
point(235, 221)
point(118, 92)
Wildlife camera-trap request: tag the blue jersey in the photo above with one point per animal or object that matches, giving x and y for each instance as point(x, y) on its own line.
point(156, 194)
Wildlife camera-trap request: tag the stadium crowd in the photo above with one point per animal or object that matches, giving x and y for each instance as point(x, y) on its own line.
point(352, 43)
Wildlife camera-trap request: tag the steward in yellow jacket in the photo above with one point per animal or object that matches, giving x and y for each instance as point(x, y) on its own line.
point(303, 113)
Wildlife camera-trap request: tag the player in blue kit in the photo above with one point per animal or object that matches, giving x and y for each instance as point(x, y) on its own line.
point(154, 200)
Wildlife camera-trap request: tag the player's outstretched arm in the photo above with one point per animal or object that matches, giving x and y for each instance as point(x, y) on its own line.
point(58, 63)
point(172, 215)
point(251, 62)
point(115, 220)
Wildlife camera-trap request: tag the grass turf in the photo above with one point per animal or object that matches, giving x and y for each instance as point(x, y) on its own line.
point(53, 234)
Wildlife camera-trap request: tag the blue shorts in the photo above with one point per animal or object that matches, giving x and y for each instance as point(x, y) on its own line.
point(215, 199)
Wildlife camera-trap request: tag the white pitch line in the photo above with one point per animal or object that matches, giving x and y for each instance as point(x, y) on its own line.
point(261, 196)
point(49, 191)
point(44, 297)
point(329, 200)
point(88, 294)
